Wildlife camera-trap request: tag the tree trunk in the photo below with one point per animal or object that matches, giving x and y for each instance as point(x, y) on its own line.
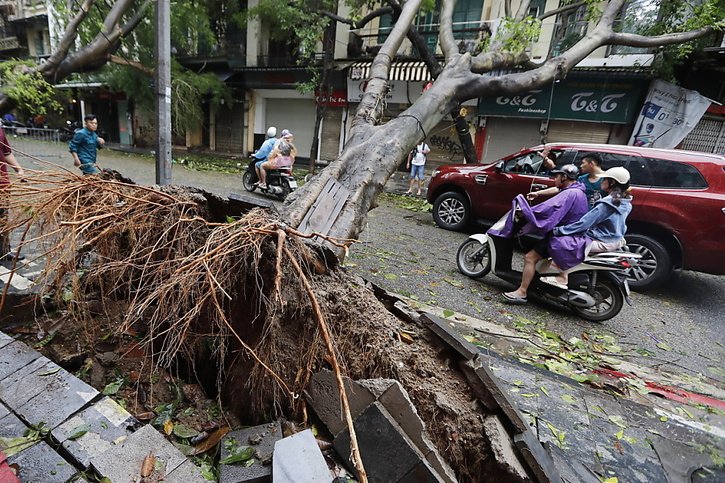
point(324, 89)
point(373, 154)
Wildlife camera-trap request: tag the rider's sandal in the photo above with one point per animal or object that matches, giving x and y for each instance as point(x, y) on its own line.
point(553, 281)
point(514, 298)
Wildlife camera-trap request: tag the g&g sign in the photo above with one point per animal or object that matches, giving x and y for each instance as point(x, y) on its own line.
point(615, 101)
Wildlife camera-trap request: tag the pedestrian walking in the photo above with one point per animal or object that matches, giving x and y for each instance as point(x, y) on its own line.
point(6, 158)
point(416, 164)
point(84, 145)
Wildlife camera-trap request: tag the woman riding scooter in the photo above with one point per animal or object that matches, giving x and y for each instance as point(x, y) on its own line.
point(602, 229)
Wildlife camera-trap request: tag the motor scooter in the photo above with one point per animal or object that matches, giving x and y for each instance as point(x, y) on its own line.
point(67, 132)
point(280, 182)
point(596, 290)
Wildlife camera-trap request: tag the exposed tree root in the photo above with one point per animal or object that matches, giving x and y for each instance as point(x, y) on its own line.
point(248, 294)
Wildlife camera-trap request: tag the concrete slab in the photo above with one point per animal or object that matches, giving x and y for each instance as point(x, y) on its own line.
point(187, 472)
point(5, 339)
point(40, 463)
point(10, 425)
point(123, 462)
point(448, 334)
point(388, 454)
point(298, 459)
point(263, 439)
point(15, 356)
point(503, 448)
point(108, 424)
point(63, 396)
point(27, 382)
point(323, 395)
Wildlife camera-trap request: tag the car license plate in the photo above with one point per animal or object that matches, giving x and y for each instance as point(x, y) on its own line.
point(293, 184)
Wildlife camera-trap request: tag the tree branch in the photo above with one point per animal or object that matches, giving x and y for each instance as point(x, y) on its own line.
point(559, 10)
point(357, 24)
point(634, 40)
point(69, 37)
point(130, 63)
point(445, 35)
point(371, 105)
point(135, 20)
point(507, 8)
point(523, 9)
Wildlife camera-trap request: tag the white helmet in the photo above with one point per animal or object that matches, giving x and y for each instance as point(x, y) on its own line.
point(271, 132)
point(619, 174)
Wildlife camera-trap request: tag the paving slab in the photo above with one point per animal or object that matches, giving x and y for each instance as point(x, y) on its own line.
point(122, 462)
point(10, 425)
point(15, 356)
point(389, 455)
point(28, 381)
point(187, 472)
point(446, 331)
point(263, 439)
point(63, 395)
point(40, 463)
point(107, 424)
point(323, 395)
point(298, 459)
point(5, 339)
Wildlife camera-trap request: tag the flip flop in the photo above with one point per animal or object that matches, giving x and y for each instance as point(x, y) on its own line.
point(554, 282)
point(513, 298)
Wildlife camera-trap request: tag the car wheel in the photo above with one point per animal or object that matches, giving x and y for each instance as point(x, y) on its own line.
point(653, 268)
point(451, 211)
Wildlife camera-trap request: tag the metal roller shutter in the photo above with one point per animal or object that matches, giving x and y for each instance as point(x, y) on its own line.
point(330, 138)
point(230, 128)
point(578, 132)
point(297, 115)
point(708, 136)
point(507, 135)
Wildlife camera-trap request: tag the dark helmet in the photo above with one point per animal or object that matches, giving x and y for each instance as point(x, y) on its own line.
point(568, 170)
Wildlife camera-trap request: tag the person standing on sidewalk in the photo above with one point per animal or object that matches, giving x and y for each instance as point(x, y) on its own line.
point(417, 158)
point(84, 144)
point(6, 158)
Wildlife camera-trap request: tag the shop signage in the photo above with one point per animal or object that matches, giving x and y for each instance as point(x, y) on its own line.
point(577, 99)
point(338, 98)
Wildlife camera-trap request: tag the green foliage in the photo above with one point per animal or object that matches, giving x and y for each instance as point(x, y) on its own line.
point(517, 36)
point(32, 94)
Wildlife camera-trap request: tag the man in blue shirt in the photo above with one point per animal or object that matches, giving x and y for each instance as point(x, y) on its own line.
point(84, 144)
point(262, 154)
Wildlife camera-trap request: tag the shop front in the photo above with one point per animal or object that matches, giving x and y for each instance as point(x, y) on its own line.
point(581, 108)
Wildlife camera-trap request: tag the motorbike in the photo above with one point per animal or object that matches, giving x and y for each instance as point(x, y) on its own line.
point(597, 287)
point(67, 132)
point(280, 182)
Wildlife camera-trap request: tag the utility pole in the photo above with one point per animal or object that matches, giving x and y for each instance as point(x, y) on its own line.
point(163, 92)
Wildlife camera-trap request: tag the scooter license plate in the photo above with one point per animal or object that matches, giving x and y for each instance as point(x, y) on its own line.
point(292, 184)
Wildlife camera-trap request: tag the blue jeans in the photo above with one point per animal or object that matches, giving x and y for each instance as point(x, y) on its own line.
point(417, 172)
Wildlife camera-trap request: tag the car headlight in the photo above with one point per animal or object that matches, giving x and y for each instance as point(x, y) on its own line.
point(435, 172)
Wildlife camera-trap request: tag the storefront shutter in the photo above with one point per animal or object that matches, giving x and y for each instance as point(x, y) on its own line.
point(505, 136)
point(230, 128)
point(707, 137)
point(297, 115)
point(578, 132)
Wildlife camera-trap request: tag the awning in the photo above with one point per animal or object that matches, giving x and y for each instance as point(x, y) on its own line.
point(399, 71)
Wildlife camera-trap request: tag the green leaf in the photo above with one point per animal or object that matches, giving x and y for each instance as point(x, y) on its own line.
point(113, 387)
point(663, 418)
point(11, 446)
point(619, 434)
point(619, 421)
point(530, 395)
point(568, 398)
point(390, 276)
point(78, 431)
point(544, 390)
point(664, 346)
point(448, 313)
point(242, 454)
point(184, 432)
point(49, 372)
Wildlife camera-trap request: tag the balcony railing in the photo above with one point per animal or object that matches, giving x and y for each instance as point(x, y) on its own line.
point(9, 43)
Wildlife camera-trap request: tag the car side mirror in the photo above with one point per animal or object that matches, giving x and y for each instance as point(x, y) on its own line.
point(499, 166)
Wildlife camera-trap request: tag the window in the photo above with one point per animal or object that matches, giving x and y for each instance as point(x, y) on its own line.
point(531, 163)
point(671, 174)
point(384, 27)
point(635, 17)
point(639, 168)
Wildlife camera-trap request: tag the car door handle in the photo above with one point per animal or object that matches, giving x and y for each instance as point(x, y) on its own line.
point(539, 186)
point(481, 178)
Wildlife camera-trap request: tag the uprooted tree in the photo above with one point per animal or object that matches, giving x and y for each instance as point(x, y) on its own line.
point(249, 298)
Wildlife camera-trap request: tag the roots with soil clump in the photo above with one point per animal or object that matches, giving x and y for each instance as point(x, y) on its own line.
point(245, 296)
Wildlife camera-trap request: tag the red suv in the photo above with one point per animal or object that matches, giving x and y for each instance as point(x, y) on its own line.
point(678, 216)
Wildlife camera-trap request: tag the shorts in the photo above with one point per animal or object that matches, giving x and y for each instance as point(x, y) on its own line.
point(258, 164)
point(597, 246)
point(542, 247)
point(417, 171)
point(89, 168)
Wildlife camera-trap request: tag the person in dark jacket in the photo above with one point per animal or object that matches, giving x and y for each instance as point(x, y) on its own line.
point(84, 145)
